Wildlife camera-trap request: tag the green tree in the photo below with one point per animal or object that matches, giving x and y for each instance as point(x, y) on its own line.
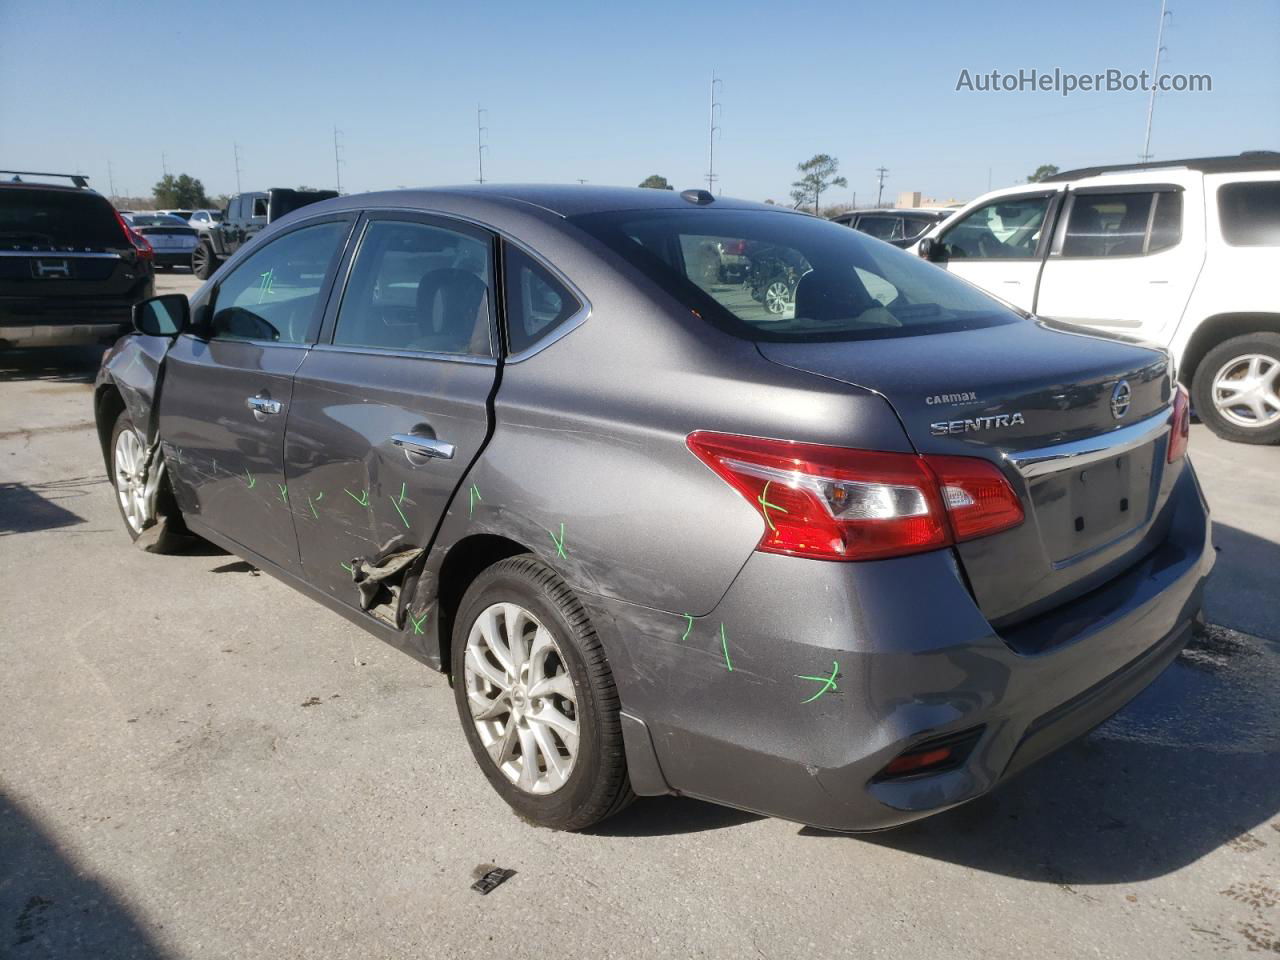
point(816, 174)
point(655, 182)
point(181, 193)
point(1042, 171)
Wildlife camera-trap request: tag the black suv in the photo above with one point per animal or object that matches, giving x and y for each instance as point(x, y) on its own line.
point(70, 268)
point(246, 214)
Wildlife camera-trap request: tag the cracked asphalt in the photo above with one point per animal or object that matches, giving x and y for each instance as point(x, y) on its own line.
point(198, 762)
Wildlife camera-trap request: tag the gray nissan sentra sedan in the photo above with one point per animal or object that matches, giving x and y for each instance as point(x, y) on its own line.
point(849, 563)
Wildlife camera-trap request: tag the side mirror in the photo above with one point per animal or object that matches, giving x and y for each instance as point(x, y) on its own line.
point(933, 250)
point(165, 316)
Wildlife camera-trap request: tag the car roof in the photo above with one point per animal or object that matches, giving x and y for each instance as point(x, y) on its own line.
point(1247, 161)
point(564, 200)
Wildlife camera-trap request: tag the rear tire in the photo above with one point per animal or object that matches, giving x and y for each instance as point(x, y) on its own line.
point(547, 695)
point(203, 261)
point(1236, 389)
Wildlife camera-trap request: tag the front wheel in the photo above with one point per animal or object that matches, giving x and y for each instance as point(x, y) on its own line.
point(1237, 388)
point(777, 297)
point(536, 698)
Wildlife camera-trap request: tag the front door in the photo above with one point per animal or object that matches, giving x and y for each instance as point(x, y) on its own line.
point(227, 390)
point(389, 414)
point(1000, 245)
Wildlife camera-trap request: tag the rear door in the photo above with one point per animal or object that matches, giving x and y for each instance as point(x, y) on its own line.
point(1125, 258)
point(226, 392)
point(1000, 245)
point(388, 415)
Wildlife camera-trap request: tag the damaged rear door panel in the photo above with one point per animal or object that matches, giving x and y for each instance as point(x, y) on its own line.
point(392, 407)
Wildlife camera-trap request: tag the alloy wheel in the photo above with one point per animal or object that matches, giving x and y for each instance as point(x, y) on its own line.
point(777, 297)
point(521, 698)
point(129, 461)
point(1244, 390)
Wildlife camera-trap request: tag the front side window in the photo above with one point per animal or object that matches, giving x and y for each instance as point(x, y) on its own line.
point(537, 302)
point(273, 294)
point(1007, 229)
point(1250, 213)
point(806, 280)
point(1107, 225)
point(418, 287)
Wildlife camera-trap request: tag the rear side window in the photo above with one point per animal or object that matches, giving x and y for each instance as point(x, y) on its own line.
point(1250, 213)
point(537, 303)
point(417, 287)
point(882, 228)
point(259, 207)
point(273, 294)
point(39, 219)
point(1107, 225)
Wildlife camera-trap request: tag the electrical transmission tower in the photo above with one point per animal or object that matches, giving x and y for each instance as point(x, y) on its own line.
point(236, 148)
point(711, 134)
point(481, 146)
point(337, 159)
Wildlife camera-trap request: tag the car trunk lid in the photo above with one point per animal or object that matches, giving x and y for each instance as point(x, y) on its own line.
point(1078, 424)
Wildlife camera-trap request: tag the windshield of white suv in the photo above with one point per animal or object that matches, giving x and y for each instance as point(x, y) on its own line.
point(787, 277)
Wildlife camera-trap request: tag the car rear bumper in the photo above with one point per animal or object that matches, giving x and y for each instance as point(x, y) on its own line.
point(173, 258)
point(722, 707)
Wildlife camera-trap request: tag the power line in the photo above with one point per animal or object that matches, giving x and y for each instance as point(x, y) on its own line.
point(481, 146)
point(1145, 156)
point(711, 134)
point(882, 171)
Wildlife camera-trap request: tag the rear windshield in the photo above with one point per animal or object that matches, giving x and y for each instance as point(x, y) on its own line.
point(791, 278)
point(156, 220)
point(55, 218)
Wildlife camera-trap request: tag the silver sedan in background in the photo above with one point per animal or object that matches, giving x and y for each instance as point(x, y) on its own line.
point(170, 236)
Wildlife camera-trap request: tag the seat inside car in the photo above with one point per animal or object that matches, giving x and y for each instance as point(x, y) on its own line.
point(451, 314)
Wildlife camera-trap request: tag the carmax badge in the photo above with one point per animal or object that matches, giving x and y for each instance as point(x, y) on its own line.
point(971, 424)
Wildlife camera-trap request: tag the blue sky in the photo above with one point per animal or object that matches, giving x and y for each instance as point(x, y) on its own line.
point(614, 92)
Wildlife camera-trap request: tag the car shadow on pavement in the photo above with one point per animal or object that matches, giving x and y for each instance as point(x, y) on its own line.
point(669, 816)
point(25, 509)
point(58, 364)
point(51, 906)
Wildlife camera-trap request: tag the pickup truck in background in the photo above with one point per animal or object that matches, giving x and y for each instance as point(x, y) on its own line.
point(245, 216)
point(1181, 254)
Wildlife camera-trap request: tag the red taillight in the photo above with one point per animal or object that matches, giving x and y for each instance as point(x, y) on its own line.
point(1180, 434)
point(136, 240)
point(833, 503)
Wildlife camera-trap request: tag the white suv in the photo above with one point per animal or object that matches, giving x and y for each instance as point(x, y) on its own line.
point(1185, 254)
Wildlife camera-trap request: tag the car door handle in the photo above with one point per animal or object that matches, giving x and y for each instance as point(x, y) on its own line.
point(261, 405)
point(426, 446)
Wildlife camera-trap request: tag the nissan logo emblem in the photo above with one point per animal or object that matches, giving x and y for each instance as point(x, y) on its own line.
point(1121, 397)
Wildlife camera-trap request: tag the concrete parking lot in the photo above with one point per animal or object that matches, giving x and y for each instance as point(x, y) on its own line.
point(198, 762)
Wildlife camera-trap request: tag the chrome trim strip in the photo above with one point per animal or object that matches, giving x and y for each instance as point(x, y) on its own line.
point(59, 255)
point(407, 354)
point(1081, 453)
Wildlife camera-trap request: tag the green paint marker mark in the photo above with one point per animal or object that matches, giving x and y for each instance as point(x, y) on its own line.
point(311, 504)
point(689, 629)
point(559, 543)
point(766, 506)
point(395, 503)
point(264, 287)
point(284, 492)
point(828, 683)
point(363, 499)
point(475, 495)
point(724, 645)
point(252, 478)
point(349, 568)
point(417, 624)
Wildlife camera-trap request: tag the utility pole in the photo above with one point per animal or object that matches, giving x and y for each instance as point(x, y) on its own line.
point(481, 146)
point(111, 180)
point(337, 159)
point(882, 171)
point(711, 135)
point(1145, 156)
point(164, 164)
point(236, 148)
point(582, 179)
